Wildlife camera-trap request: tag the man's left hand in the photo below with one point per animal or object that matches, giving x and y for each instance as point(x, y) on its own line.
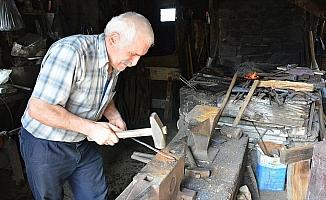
point(118, 122)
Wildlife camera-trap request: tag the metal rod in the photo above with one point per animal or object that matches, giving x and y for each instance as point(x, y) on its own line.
point(184, 80)
point(156, 150)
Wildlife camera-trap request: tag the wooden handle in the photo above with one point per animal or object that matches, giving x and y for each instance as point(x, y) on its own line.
point(226, 99)
point(314, 64)
point(245, 103)
point(132, 133)
point(135, 133)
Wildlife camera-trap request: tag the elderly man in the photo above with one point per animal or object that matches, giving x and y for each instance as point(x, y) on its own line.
point(74, 89)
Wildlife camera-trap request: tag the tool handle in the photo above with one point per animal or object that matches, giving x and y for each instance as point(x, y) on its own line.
point(245, 103)
point(135, 133)
point(226, 99)
point(132, 133)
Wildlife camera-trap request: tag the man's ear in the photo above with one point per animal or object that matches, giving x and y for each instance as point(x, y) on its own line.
point(114, 39)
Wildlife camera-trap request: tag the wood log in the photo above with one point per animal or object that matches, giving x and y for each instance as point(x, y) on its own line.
point(296, 86)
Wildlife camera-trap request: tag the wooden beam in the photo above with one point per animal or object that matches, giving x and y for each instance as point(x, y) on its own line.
point(162, 61)
point(163, 73)
point(296, 86)
point(296, 154)
point(298, 180)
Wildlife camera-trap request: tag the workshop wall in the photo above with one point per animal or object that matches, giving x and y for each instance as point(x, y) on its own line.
point(261, 31)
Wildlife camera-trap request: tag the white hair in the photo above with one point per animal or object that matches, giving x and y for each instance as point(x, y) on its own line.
point(128, 25)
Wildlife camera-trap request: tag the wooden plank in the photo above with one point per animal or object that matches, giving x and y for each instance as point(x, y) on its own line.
point(298, 180)
point(296, 86)
point(296, 154)
point(159, 61)
point(163, 73)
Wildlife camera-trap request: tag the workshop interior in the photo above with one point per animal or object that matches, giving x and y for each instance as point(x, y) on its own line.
point(228, 103)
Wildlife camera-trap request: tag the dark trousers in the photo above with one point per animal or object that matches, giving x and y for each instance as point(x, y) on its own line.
point(50, 164)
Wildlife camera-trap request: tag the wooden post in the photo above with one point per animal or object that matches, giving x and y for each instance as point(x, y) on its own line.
point(317, 182)
point(297, 180)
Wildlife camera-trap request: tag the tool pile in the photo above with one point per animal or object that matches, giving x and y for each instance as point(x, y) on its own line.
point(285, 108)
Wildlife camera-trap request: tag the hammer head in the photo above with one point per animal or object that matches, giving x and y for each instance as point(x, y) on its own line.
point(158, 130)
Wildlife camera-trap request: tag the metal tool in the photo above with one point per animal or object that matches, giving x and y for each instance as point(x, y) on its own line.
point(170, 157)
point(184, 80)
point(193, 170)
point(142, 157)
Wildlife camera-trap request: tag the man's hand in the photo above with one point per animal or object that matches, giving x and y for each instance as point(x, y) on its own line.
point(118, 122)
point(103, 134)
point(112, 114)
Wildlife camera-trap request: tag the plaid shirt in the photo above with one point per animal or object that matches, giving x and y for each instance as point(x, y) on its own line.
point(73, 75)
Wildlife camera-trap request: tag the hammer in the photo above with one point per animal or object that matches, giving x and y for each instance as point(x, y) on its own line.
point(157, 131)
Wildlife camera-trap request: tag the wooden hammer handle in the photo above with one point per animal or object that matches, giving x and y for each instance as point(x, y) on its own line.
point(132, 133)
point(135, 133)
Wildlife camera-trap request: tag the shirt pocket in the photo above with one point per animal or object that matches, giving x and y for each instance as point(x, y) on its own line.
point(87, 98)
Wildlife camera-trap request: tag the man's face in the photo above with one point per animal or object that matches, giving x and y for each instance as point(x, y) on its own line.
point(127, 56)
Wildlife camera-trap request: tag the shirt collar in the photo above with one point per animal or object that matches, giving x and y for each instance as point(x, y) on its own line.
point(103, 57)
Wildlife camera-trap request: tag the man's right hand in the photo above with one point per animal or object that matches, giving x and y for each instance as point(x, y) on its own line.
point(103, 134)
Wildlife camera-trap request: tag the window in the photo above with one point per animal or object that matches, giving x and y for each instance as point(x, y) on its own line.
point(167, 15)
